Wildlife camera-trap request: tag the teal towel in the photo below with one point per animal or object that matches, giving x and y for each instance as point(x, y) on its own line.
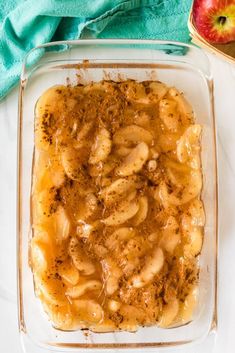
point(24, 24)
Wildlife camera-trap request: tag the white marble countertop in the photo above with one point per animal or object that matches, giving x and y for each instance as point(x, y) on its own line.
point(224, 340)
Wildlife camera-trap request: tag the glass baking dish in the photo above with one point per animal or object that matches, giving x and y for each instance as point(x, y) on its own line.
point(176, 64)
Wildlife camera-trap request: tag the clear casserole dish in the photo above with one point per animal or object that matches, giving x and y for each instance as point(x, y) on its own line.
point(175, 64)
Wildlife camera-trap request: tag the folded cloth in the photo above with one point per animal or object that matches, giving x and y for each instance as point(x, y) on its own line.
point(24, 24)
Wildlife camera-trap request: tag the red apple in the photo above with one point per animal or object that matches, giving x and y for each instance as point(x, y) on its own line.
point(215, 20)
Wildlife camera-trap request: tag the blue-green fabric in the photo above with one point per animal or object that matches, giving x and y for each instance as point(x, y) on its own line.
point(25, 24)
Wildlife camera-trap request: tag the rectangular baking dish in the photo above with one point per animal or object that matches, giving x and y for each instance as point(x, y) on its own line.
point(176, 64)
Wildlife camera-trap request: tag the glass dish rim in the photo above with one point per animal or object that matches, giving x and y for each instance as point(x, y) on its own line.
point(111, 41)
point(21, 324)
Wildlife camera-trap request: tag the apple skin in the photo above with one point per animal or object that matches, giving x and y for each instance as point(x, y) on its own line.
point(215, 20)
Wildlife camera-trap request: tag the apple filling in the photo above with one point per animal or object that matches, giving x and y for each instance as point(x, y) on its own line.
point(116, 211)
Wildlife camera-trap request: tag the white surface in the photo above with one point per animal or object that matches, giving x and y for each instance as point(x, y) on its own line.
point(224, 81)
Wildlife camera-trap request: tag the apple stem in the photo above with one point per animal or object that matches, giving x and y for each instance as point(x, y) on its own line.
point(221, 20)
